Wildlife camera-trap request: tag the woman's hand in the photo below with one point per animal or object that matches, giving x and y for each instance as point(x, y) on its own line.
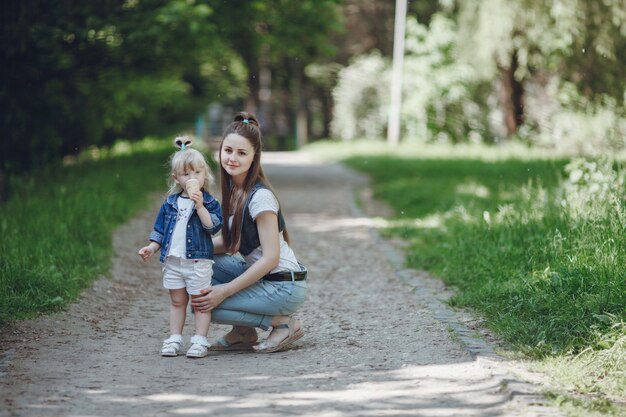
point(211, 297)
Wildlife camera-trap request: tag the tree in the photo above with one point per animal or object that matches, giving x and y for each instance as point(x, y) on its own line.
point(277, 39)
point(581, 41)
point(85, 73)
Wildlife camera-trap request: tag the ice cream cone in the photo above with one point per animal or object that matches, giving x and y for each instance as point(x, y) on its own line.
point(192, 186)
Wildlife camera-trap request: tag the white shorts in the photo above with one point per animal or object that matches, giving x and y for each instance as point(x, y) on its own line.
point(193, 274)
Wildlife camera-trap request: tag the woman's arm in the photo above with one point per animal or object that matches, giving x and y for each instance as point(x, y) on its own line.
point(267, 226)
point(218, 245)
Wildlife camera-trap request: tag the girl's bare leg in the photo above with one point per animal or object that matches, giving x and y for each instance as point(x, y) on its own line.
point(201, 321)
point(178, 306)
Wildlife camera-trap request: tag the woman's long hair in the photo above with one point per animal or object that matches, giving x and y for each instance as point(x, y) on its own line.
point(233, 199)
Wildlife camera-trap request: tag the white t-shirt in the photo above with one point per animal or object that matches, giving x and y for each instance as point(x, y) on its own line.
point(264, 200)
point(178, 245)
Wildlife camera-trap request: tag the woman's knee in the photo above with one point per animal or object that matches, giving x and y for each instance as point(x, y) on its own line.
point(226, 268)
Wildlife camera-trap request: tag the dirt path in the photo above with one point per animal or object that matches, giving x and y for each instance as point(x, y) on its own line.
point(379, 342)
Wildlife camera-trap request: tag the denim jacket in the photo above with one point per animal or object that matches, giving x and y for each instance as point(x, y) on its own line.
point(199, 243)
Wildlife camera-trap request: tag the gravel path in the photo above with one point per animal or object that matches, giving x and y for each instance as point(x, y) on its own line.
point(379, 342)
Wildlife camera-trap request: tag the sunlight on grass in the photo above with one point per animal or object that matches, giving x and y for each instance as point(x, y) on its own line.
point(532, 240)
point(57, 240)
point(473, 188)
point(339, 150)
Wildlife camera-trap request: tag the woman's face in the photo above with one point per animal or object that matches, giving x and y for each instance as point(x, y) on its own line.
point(236, 157)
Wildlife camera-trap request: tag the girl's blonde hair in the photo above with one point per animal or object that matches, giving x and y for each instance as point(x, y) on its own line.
point(188, 159)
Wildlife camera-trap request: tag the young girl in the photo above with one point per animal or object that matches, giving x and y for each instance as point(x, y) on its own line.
point(267, 286)
point(182, 230)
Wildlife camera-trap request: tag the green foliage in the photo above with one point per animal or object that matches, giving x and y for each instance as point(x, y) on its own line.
point(600, 370)
point(360, 96)
point(514, 244)
point(536, 246)
point(78, 75)
point(569, 62)
point(571, 58)
point(299, 30)
point(277, 28)
point(560, 118)
point(444, 99)
point(57, 231)
point(85, 74)
point(584, 41)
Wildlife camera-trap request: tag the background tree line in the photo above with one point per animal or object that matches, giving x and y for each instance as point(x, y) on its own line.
point(548, 73)
point(80, 74)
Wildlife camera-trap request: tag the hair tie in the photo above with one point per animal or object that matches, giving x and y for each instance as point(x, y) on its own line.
point(183, 142)
point(246, 121)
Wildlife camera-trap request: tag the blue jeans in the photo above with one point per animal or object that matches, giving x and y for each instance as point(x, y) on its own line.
point(255, 305)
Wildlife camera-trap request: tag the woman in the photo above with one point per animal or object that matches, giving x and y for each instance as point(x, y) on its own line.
point(269, 284)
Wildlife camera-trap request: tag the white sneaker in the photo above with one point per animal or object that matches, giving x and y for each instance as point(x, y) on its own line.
point(172, 346)
point(199, 347)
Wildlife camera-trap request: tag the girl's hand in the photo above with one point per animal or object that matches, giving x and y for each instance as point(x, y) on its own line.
point(197, 199)
point(211, 297)
point(146, 252)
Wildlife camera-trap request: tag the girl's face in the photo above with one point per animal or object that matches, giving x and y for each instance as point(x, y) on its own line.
point(181, 177)
point(236, 157)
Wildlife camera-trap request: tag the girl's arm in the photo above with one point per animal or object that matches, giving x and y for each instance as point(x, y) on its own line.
point(210, 215)
point(205, 216)
point(147, 251)
point(156, 236)
point(267, 226)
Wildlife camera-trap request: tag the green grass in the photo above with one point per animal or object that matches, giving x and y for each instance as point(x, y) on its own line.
point(494, 224)
point(57, 227)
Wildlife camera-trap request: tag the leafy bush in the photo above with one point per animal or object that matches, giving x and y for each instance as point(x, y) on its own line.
point(57, 232)
point(441, 100)
point(444, 100)
point(361, 98)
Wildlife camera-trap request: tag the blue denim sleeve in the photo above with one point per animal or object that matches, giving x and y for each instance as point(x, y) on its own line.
point(215, 210)
point(159, 225)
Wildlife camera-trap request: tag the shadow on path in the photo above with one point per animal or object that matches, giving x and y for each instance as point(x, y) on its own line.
point(376, 344)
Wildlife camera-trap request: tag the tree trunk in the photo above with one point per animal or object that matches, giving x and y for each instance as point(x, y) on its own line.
point(299, 98)
point(251, 103)
point(3, 192)
point(326, 99)
point(282, 119)
point(265, 93)
point(512, 95)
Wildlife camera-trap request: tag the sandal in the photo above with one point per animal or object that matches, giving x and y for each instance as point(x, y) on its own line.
point(224, 345)
point(171, 346)
point(199, 347)
point(269, 347)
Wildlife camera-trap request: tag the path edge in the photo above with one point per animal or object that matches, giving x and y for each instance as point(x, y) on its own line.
point(530, 396)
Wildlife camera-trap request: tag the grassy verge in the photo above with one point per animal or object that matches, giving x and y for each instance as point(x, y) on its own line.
point(534, 243)
point(56, 231)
